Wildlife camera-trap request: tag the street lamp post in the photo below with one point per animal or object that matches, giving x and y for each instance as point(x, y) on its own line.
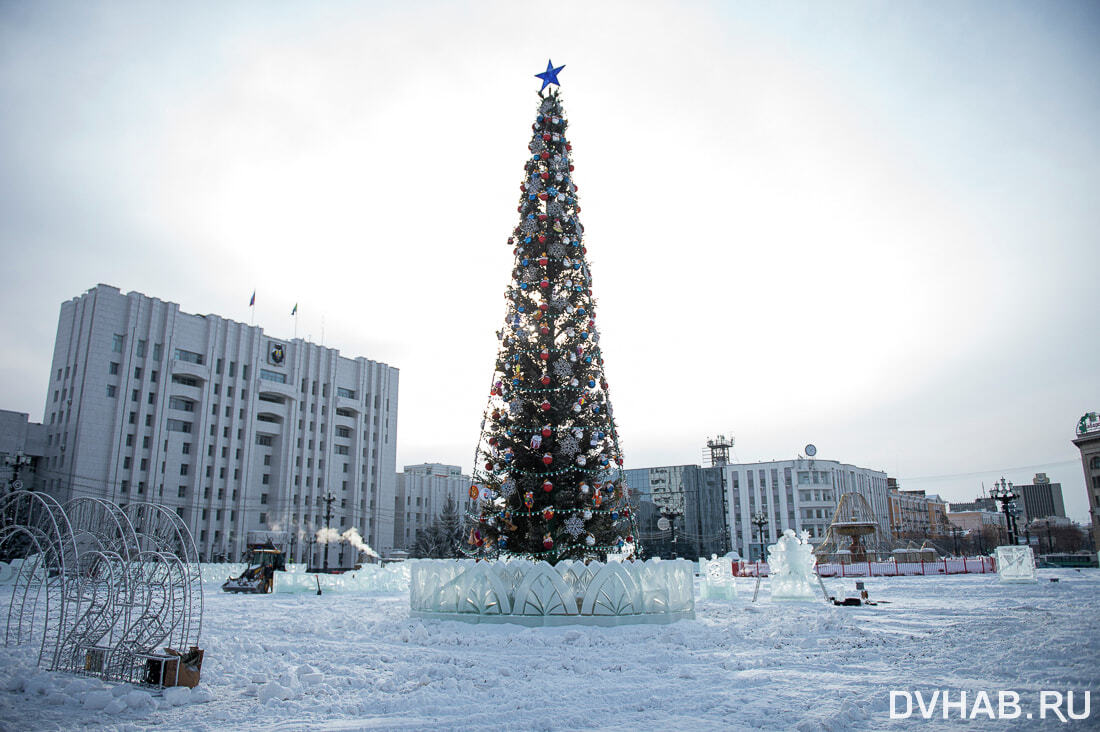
point(955, 536)
point(1004, 494)
point(674, 546)
point(759, 520)
point(328, 499)
point(16, 462)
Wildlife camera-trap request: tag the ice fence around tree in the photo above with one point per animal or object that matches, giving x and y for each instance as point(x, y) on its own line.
point(539, 594)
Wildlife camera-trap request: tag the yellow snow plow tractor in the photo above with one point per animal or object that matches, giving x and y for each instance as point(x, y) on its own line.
point(259, 577)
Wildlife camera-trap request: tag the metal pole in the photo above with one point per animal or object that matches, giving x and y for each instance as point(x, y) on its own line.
point(328, 522)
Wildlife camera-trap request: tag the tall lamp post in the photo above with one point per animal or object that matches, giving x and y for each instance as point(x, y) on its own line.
point(670, 518)
point(1004, 494)
point(328, 499)
point(955, 535)
point(759, 520)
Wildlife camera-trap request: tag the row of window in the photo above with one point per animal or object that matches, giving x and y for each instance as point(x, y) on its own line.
point(120, 340)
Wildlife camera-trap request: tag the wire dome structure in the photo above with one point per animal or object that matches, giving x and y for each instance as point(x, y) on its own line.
point(105, 587)
point(853, 520)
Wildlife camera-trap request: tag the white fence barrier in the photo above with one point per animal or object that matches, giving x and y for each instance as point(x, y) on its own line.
point(892, 568)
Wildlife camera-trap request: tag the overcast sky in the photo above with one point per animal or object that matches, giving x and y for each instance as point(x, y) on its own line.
point(867, 225)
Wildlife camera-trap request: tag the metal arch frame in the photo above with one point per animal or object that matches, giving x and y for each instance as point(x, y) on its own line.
point(105, 542)
point(106, 585)
point(169, 534)
point(42, 519)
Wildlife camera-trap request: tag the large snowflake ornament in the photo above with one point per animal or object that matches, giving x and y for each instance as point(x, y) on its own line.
point(574, 526)
point(569, 446)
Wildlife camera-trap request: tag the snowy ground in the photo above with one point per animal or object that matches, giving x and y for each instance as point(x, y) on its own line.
point(357, 661)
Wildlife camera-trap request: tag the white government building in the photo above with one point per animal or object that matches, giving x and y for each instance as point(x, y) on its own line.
point(800, 494)
point(243, 434)
point(421, 492)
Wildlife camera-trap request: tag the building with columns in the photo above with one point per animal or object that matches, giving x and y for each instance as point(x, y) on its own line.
point(1087, 442)
point(800, 494)
point(710, 509)
point(243, 434)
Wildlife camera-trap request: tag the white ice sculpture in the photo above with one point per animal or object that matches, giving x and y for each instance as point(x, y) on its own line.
point(718, 583)
point(538, 594)
point(791, 567)
point(1015, 564)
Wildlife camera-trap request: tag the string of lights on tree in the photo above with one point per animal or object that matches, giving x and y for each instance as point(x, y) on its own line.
point(548, 479)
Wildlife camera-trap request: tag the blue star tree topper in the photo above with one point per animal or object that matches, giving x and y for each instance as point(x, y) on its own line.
point(550, 76)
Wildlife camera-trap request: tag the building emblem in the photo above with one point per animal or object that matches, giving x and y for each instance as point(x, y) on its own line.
point(1088, 424)
point(276, 354)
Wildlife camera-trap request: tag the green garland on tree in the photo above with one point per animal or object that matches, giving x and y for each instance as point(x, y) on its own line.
point(548, 471)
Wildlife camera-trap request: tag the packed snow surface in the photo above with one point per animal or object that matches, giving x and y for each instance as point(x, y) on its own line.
point(355, 660)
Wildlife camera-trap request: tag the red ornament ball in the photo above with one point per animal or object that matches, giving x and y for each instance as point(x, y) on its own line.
point(547, 486)
point(546, 431)
point(546, 406)
point(547, 459)
point(544, 284)
point(545, 380)
point(544, 155)
point(544, 354)
point(548, 514)
point(543, 307)
point(547, 542)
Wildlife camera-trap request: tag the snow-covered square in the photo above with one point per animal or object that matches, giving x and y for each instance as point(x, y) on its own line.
point(356, 660)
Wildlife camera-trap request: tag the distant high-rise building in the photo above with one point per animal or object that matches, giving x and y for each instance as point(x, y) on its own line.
point(690, 498)
point(242, 433)
point(421, 492)
point(1041, 499)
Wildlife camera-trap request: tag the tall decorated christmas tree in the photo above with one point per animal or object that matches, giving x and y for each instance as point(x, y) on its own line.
point(548, 473)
